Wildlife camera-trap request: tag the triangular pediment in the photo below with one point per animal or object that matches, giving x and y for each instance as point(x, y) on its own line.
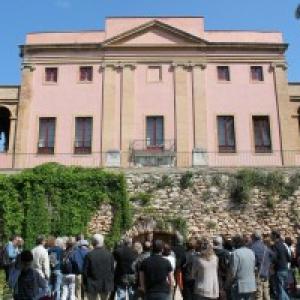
point(154, 33)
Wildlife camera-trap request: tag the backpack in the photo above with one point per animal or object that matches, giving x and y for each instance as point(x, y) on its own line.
point(66, 267)
point(4, 258)
point(24, 288)
point(188, 266)
point(53, 260)
point(77, 260)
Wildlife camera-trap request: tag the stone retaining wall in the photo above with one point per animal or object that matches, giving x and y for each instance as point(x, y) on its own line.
point(205, 206)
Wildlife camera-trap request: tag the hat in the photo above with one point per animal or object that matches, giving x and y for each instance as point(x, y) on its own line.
point(83, 243)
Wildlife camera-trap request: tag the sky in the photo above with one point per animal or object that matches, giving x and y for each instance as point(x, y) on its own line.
point(18, 17)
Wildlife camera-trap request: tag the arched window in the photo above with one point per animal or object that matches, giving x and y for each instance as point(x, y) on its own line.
point(4, 129)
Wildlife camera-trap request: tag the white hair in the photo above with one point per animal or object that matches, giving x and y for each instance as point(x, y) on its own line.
point(59, 242)
point(98, 240)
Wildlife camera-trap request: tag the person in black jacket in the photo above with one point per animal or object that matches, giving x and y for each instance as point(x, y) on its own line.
point(187, 276)
point(125, 277)
point(223, 267)
point(281, 262)
point(98, 270)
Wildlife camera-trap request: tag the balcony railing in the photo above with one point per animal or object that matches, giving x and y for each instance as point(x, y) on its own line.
point(165, 155)
point(149, 153)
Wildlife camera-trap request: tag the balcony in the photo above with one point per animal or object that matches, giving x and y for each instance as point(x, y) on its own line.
point(145, 153)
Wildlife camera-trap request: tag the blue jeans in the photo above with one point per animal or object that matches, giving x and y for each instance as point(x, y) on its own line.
point(240, 296)
point(121, 292)
point(55, 284)
point(281, 284)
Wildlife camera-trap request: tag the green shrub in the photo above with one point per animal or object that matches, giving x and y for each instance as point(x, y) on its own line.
point(273, 183)
point(143, 197)
point(216, 180)
point(211, 225)
point(270, 202)
point(186, 180)
point(164, 182)
point(206, 196)
point(53, 199)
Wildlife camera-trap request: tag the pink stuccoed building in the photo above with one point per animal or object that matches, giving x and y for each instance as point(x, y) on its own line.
point(148, 92)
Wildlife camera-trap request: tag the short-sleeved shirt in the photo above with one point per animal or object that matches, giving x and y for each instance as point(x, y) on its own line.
point(156, 270)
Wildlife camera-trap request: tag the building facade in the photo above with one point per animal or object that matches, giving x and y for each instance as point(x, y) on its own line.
point(151, 92)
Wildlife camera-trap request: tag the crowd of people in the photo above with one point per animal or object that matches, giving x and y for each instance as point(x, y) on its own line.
point(241, 268)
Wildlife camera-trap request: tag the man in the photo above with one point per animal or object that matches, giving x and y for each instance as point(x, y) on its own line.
point(26, 282)
point(40, 258)
point(263, 261)
point(11, 251)
point(156, 275)
point(281, 263)
point(77, 258)
point(124, 273)
point(98, 270)
point(187, 276)
point(243, 270)
point(223, 267)
point(55, 251)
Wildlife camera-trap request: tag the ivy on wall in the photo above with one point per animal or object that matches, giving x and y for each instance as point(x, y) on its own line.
point(275, 184)
point(53, 199)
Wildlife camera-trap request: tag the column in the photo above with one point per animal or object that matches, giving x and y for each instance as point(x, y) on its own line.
point(110, 154)
point(288, 129)
point(200, 116)
point(24, 110)
point(181, 116)
point(127, 112)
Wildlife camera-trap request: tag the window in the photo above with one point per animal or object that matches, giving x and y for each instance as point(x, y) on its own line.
point(4, 129)
point(226, 135)
point(223, 73)
point(86, 74)
point(51, 74)
point(262, 138)
point(257, 73)
point(155, 132)
point(154, 74)
point(46, 135)
point(83, 135)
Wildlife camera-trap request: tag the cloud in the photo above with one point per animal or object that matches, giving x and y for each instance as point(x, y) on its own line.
point(63, 3)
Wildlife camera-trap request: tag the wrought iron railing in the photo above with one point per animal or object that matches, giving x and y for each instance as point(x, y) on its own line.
point(140, 155)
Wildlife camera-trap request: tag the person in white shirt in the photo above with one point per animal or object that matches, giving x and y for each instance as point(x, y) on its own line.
point(41, 258)
point(169, 255)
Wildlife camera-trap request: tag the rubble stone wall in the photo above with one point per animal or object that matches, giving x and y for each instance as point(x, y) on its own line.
point(159, 203)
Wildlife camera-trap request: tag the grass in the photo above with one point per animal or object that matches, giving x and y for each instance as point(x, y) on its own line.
point(4, 291)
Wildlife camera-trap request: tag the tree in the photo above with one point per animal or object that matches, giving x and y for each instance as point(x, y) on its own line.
point(297, 12)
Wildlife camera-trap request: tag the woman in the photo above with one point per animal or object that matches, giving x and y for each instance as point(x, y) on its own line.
point(68, 282)
point(205, 272)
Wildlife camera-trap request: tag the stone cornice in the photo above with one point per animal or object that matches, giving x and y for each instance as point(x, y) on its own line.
point(189, 65)
point(282, 65)
point(117, 65)
point(209, 46)
point(31, 68)
point(158, 59)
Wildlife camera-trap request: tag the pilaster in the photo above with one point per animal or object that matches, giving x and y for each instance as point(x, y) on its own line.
point(109, 108)
point(200, 115)
point(181, 115)
point(127, 112)
point(24, 109)
point(288, 128)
